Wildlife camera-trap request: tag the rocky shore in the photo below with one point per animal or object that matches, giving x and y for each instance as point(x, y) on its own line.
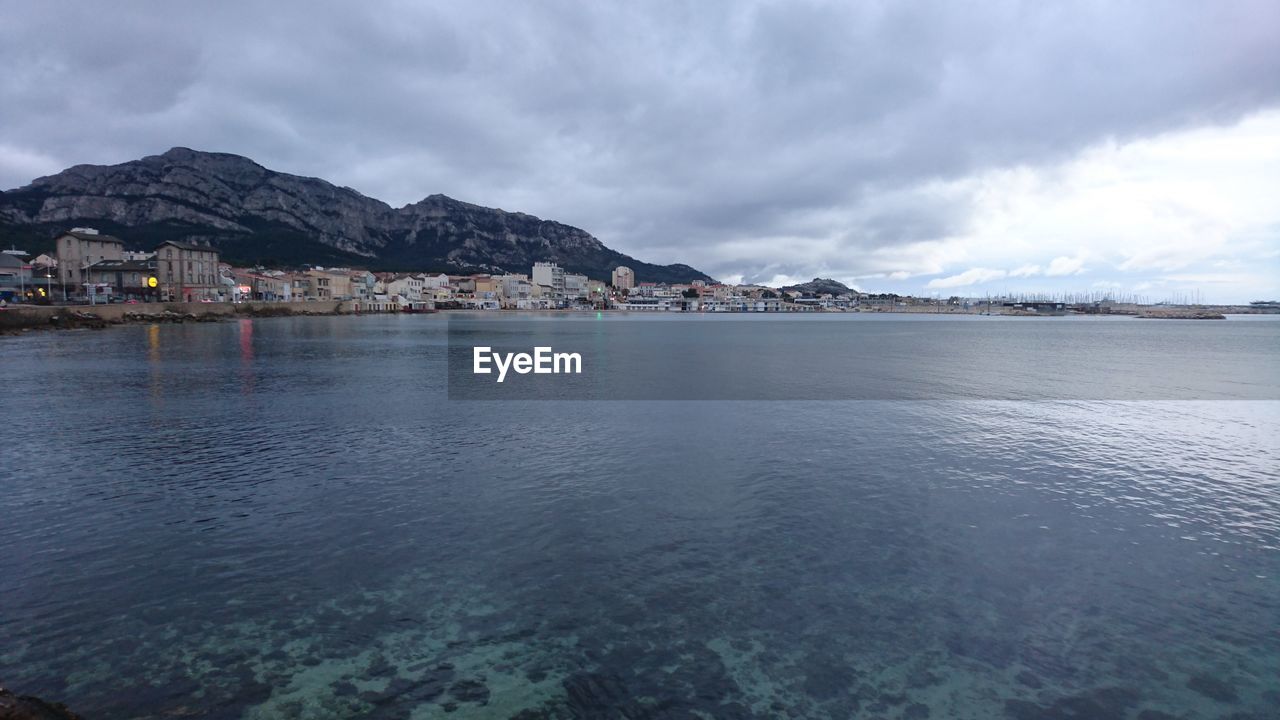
point(24, 319)
point(26, 707)
point(1180, 314)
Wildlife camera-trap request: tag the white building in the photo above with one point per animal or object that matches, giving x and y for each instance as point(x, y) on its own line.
point(408, 287)
point(623, 278)
point(575, 286)
point(550, 275)
point(515, 287)
point(644, 304)
point(436, 281)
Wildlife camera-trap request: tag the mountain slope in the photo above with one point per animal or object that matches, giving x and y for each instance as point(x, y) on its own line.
point(255, 215)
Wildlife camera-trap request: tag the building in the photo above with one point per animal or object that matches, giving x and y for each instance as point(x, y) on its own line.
point(362, 284)
point(261, 285)
point(333, 284)
point(122, 280)
point(575, 286)
point(407, 286)
point(623, 278)
point(187, 272)
point(301, 286)
point(644, 304)
point(78, 249)
point(549, 275)
point(15, 279)
point(436, 281)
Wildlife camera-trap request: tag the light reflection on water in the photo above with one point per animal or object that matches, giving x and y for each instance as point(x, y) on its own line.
point(294, 522)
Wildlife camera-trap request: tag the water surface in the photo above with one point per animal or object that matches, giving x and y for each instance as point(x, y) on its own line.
point(288, 518)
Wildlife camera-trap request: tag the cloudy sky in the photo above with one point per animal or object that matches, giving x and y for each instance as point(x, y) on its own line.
point(932, 147)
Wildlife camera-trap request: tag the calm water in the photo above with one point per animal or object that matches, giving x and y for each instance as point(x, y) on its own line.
point(288, 518)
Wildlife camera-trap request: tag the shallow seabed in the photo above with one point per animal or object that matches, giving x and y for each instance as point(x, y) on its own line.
point(286, 519)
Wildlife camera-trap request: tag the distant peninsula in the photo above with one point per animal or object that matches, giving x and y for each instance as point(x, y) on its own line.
point(820, 286)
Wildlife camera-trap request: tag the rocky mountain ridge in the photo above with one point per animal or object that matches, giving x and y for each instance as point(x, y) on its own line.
point(255, 215)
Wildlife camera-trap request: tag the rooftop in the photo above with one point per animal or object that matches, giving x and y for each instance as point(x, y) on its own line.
point(188, 246)
point(91, 236)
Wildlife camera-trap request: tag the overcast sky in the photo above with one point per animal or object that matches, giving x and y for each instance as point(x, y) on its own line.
point(948, 147)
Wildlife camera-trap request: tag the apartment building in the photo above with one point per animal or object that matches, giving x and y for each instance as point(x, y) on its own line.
point(80, 248)
point(187, 272)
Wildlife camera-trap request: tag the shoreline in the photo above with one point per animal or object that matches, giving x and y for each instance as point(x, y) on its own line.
point(23, 319)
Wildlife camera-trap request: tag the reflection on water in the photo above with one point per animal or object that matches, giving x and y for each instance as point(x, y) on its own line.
point(153, 362)
point(299, 525)
point(246, 355)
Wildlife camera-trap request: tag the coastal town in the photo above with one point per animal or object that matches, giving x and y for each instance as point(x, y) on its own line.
point(92, 268)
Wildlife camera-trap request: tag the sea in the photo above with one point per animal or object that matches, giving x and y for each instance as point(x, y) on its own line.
point(820, 516)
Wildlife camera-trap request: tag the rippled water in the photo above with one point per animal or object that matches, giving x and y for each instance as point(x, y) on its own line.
point(287, 518)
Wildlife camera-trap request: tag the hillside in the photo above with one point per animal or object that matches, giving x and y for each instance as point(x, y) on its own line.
point(255, 215)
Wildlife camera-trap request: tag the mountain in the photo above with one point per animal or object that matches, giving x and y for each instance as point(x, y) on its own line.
point(820, 286)
point(254, 215)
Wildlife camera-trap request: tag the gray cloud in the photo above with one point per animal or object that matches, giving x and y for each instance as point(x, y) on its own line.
point(749, 138)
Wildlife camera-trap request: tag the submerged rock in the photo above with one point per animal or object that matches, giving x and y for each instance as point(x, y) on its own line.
point(472, 691)
point(1103, 704)
point(1213, 688)
point(915, 711)
point(1028, 678)
point(1156, 715)
point(593, 694)
point(26, 707)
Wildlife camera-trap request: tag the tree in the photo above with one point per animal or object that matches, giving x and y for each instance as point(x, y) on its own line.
point(690, 293)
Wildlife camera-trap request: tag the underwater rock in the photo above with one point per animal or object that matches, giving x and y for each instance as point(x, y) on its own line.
point(344, 688)
point(893, 699)
point(26, 707)
point(1213, 688)
point(531, 714)
point(379, 667)
point(1102, 704)
point(994, 652)
point(1156, 715)
point(826, 678)
point(1028, 678)
point(590, 694)
point(473, 691)
point(916, 711)
point(922, 678)
point(406, 692)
